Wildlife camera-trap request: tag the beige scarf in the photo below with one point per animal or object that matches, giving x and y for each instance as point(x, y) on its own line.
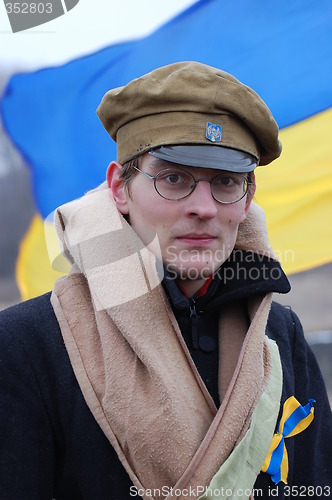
point(131, 361)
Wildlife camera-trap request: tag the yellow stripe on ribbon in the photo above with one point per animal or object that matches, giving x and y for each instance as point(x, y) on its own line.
point(295, 419)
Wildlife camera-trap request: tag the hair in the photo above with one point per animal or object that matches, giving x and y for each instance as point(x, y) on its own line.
point(252, 184)
point(128, 170)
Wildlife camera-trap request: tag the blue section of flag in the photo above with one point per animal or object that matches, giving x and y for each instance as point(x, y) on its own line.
point(283, 50)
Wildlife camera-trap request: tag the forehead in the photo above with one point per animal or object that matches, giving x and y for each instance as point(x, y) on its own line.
point(153, 165)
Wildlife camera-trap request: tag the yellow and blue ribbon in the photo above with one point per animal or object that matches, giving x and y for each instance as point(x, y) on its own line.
point(295, 419)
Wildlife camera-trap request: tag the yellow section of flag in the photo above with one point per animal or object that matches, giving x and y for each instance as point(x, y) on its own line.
point(296, 194)
point(34, 272)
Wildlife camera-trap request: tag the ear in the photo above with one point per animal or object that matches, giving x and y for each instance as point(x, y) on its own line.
point(117, 189)
point(250, 196)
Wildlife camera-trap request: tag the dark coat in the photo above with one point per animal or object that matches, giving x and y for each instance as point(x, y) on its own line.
point(51, 446)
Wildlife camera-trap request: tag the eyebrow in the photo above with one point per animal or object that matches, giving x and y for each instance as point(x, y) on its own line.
point(158, 164)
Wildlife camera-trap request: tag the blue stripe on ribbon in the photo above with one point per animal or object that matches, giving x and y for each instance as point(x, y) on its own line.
point(276, 459)
point(299, 414)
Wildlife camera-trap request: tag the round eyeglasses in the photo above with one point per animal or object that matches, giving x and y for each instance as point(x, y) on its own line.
point(176, 184)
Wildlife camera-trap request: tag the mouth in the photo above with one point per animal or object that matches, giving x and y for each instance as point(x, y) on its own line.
point(197, 239)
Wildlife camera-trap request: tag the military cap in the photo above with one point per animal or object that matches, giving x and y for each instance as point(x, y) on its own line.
point(175, 107)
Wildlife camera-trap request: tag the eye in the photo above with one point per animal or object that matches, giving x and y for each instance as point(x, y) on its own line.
point(228, 180)
point(174, 178)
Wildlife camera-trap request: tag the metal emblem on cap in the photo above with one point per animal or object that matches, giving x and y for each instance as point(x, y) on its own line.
point(213, 132)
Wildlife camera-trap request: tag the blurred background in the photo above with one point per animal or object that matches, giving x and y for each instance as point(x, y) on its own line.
point(53, 149)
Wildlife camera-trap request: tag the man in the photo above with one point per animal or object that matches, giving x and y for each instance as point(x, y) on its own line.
point(159, 367)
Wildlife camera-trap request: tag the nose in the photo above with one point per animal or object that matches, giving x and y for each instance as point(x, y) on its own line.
point(201, 203)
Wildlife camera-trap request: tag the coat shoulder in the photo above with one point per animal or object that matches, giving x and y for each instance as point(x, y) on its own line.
point(283, 325)
point(29, 313)
point(31, 326)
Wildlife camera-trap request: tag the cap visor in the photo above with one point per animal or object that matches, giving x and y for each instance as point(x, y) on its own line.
point(204, 156)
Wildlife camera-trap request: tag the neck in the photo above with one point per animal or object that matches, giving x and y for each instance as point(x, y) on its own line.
point(190, 287)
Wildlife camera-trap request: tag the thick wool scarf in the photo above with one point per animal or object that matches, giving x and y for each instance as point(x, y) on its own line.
point(131, 361)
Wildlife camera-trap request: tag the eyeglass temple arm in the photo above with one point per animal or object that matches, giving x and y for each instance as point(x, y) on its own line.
point(145, 173)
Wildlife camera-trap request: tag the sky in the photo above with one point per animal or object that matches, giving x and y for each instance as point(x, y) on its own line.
point(89, 26)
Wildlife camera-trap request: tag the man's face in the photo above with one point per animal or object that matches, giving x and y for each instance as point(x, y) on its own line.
point(196, 234)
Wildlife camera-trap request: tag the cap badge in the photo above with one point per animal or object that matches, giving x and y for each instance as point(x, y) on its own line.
point(213, 132)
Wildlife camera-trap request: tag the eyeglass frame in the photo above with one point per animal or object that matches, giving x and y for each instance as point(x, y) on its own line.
point(153, 178)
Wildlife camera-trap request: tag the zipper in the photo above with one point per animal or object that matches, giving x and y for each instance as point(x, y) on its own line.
point(194, 323)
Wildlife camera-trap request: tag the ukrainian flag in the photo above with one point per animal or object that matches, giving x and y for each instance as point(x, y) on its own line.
point(282, 49)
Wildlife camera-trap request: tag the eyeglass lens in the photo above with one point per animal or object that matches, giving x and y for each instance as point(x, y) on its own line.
point(226, 187)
